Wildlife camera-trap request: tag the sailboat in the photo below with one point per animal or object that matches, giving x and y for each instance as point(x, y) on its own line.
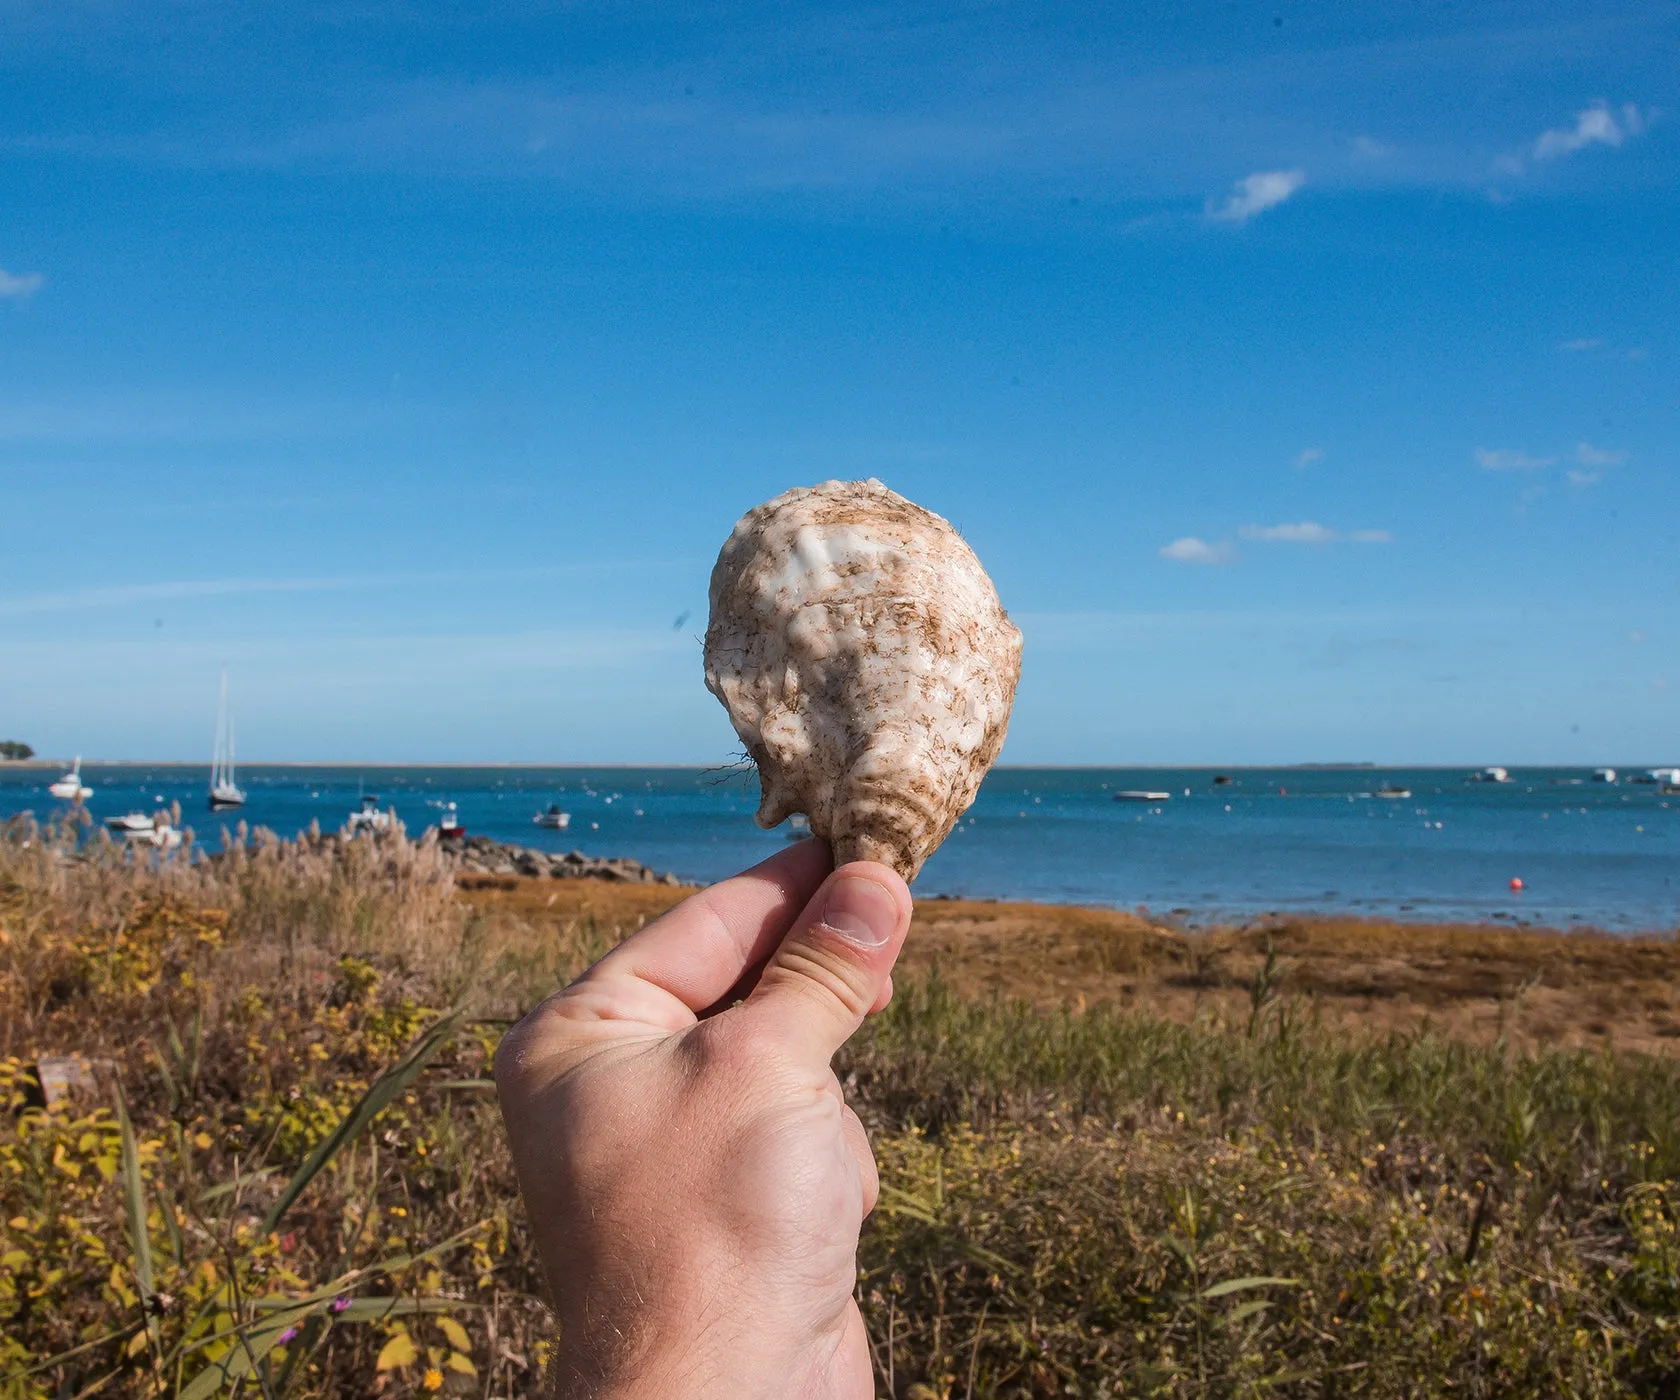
point(224, 792)
point(70, 786)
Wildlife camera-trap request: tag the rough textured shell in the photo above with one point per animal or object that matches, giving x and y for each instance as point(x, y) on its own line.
point(866, 663)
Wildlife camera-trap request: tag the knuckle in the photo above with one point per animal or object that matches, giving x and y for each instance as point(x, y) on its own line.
point(812, 969)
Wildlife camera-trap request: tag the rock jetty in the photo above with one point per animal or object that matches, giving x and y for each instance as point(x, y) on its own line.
point(479, 855)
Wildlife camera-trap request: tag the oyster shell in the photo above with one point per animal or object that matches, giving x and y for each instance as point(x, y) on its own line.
point(866, 663)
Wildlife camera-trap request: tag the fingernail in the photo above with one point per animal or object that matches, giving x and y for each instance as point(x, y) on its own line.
point(860, 911)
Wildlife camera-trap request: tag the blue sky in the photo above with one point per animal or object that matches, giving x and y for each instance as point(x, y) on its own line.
point(1304, 374)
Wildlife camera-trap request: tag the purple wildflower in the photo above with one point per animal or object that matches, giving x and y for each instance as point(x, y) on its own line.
point(340, 1304)
point(289, 1334)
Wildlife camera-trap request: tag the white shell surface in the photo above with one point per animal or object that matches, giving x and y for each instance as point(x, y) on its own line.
point(866, 663)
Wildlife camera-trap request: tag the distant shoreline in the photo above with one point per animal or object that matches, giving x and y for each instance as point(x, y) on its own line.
point(39, 762)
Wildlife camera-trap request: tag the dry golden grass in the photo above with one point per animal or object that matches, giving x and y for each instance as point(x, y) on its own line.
point(1476, 981)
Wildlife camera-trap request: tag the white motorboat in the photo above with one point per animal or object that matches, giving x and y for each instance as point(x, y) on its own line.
point(1138, 795)
point(449, 825)
point(1491, 775)
point(1604, 775)
point(553, 819)
point(224, 791)
point(1667, 777)
point(130, 824)
point(368, 817)
point(799, 827)
point(70, 787)
point(1394, 794)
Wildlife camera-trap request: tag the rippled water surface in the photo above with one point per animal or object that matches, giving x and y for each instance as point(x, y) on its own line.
point(1270, 839)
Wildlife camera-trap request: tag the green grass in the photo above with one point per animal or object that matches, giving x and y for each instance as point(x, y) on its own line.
point(313, 1199)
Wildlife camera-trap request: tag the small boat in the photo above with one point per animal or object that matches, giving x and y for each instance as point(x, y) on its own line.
point(163, 834)
point(554, 819)
point(1221, 779)
point(368, 817)
point(1394, 793)
point(1491, 775)
point(1666, 777)
point(70, 787)
point(449, 825)
point(1137, 795)
point(1604, 775)
point(139, 829)
point(799, 827)
point(224, 791)
point(130, 824)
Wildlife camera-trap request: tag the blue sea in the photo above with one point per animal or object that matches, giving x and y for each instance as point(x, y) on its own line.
point(1269, 840)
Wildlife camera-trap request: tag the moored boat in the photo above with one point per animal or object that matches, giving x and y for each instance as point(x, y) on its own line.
point(129, 824)
point(368, 817)
point(1139, 795)
point(449, 825)
point(224, 791)
point(553, 819)
point(70, 787)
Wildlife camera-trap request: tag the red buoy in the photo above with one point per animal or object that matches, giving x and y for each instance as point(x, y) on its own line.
point(1516, 884)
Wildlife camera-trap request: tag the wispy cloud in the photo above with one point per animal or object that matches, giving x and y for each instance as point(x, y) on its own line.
point(1589, 456)
point(1311, 532)
point(1307, 456)
point(1190, 550)
point(1254, 194)
point(1303, 532)
point(134, 594)
point(1593, 461)
point(20, 285)
point(1594, 343)
point(1595, 126)
point(125, 595)
point(1509, 459)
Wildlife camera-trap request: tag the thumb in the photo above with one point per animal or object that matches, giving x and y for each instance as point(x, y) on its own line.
point(833, 964)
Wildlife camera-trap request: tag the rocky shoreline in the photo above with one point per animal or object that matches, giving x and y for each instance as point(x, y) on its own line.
point(480, 856)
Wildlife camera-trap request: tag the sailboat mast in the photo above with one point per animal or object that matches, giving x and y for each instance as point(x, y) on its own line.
point(217, 759)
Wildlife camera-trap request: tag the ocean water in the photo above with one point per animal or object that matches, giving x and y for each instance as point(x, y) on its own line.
point(1287, 839)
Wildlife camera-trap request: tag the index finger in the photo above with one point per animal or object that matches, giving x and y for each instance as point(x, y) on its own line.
point(698, 951)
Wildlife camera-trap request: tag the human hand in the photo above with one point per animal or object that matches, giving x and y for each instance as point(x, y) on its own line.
point(694, 1179)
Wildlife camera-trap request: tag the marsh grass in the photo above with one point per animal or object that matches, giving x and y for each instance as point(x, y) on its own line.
point(301, 1190)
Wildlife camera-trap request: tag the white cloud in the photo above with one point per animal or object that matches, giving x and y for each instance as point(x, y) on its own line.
point(1596, 126)
point(1190, 550)
point(1306, 532)
point(1307, 456)
point(1311, 532)
point(1508, 459)
point(1256, 193)
point(1581, 478)
point(1587, 342)
point(19, 284)
point(1589, 456)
